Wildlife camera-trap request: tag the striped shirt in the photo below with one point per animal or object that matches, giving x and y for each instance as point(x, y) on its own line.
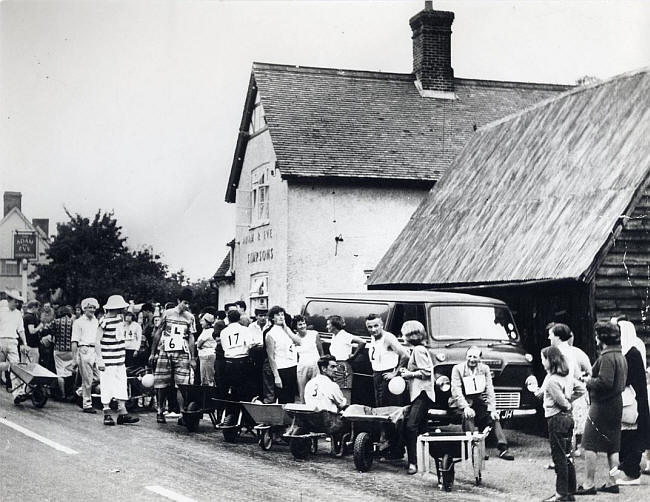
point(112, 343)
point(62, 333)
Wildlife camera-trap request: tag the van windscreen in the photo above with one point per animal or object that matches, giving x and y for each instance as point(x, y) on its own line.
point(454, 322)
point(355, 313)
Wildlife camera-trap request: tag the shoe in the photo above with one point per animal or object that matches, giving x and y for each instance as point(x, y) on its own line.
point(609, 489)
point(173, 414)
point(562, 498)
point(586, 491)
point(550, 467)
point(412, 469)
point(181, 421)
point(160, 418)
point(108, 420)
point(627, 481)
point(20, 399)
point(646, 469)
point(127, 419)
point(89, 410)
point(505, 455)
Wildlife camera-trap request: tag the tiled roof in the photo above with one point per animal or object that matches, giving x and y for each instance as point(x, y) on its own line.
point(534, 196)
point(224, 268)
point(329, 123)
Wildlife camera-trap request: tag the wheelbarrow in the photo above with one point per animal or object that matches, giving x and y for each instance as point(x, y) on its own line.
point(243, 422)
point(366, 426)
point(36, 380)
point(198, 400)
point(270, 418)
point(309, 425)
point(448, 449)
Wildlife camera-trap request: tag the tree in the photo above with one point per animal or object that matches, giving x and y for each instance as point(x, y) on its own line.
point(91, 258)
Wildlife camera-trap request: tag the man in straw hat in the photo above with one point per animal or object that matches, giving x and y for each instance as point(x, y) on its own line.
point(12, 328)
point(84, 333)
point(110, 347)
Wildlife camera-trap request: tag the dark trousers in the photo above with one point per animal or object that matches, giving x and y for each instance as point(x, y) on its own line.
point(630, 454)
point(482, 420)
point(560, 432)
point(383, 396)
point(268, 384)
point(289, 390)
point(236, 380)
point(415, 422)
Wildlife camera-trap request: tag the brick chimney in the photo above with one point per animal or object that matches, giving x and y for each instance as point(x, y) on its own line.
point(432, 52)
point(12, 199)
point(43, 224)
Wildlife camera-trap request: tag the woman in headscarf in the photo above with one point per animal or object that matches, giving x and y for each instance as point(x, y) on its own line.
point(635, 438)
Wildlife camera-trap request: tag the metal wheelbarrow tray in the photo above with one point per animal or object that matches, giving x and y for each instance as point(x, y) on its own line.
point(198, 400)
point(270, 418)
point(309, 425)
point(35, 378)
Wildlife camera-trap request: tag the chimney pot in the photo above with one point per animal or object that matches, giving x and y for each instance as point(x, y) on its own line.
point(11, 200)
point(428, 5)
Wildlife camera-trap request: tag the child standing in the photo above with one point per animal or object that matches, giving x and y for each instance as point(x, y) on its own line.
point(557, 410)
point(207, 346)
point(111, 354)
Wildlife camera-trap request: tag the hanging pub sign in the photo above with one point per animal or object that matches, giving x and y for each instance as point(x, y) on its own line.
point(25, 245)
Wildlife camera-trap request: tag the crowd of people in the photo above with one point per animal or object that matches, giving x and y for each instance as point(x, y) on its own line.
point(275, 357)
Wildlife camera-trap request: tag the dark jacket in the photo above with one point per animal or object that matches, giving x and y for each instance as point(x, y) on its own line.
point(636, 378)
point(609, 375)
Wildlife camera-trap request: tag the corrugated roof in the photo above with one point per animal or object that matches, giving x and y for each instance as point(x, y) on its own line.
point(533, 196)
point(330, 123)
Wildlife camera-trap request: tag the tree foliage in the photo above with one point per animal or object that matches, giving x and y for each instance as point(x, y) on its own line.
point(91, 258)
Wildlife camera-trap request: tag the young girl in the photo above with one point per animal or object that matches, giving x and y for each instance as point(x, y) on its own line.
point(557, 410)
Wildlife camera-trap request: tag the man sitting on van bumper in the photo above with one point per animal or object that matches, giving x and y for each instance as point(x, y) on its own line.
point(472, 395)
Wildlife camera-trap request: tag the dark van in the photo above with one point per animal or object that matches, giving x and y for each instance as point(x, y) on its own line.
point(453, 321)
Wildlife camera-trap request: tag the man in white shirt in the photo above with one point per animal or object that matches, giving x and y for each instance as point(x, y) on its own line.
point(12, 328)
point(84, 336)
point(264, 386)
point(235, 342)
point(321, 392)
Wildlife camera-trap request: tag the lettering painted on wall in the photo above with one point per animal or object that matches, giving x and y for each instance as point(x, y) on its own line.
point(258, 236)
point(263, 255)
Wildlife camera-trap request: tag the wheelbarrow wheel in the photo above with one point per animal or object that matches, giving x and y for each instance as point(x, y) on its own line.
point(300, 448)
point(230, 434)
point(266, 440)
point(363, 452)
point(448, 472)
point(39, 396)
point(191, 421)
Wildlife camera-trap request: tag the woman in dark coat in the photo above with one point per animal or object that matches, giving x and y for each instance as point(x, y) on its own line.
point(634, 441)
point(603, 426)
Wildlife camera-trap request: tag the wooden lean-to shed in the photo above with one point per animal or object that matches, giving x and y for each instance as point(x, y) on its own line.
point(547, 209)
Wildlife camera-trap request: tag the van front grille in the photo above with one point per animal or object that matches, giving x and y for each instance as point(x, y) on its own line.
point(507, 400)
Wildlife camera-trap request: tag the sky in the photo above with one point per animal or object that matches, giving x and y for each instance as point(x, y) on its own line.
point(134, 107)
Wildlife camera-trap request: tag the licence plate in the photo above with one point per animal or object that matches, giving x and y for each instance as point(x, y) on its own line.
point(505, 414)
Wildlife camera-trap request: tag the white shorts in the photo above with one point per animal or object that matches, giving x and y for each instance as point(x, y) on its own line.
point(113, 384)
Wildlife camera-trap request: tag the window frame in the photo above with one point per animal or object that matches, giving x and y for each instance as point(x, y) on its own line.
point(260, 213)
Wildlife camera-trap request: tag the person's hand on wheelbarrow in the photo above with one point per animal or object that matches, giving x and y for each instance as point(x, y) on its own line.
point(469, 412)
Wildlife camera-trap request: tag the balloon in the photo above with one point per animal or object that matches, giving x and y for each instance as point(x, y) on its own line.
point(147, 380)
point(397, 385)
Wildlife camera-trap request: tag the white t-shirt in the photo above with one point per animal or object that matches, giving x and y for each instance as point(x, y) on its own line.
point(255, 334)
point(323, 394)
point(235, 340)
point(11, 322)
point(382, 356)
point(341, 345)
point(308, 350)
point(133, 335)
point(206, 343)
point(285, 354)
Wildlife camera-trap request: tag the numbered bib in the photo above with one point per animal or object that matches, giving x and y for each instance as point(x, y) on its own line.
point(175, 341)
point(233, 341)
point(474, 384)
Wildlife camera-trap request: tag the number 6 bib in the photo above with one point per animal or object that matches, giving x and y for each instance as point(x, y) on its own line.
point(175, 341)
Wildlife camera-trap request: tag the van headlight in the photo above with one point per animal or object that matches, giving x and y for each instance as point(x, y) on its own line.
point(531, 383)
point(443, 383)
point(529, 358)
point(441, 356)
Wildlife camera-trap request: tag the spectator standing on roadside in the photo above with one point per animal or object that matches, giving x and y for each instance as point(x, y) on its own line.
point(472, 395)
point(244, 320)
point(146, 316)
point(263, 384)
point(281, 349)
point(310, 351)
point(11, 330)
point(386, 354)
point(84, 334)
point(603, 427)
point(133, 341)
point(33, 330)
point(342, 349)
point(110, 348)
point(206, 346)
point(45, 349)
point(61, 331)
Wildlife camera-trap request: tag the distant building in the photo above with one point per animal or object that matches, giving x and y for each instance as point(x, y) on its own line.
point(330, 164)
point(20, 237)
point(548, 210)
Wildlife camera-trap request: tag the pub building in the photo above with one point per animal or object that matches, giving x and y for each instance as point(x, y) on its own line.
point(330, 164)
point(547, 210)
